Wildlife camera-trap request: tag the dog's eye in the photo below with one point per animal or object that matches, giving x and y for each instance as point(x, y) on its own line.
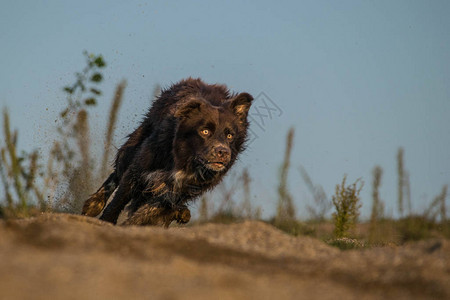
point(205, 132)
point(229, 136)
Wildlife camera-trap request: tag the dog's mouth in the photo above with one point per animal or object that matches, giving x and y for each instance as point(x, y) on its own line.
point(212, 165)
point(215, 165)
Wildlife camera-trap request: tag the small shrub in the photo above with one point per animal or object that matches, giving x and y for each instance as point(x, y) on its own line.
point(347, 204)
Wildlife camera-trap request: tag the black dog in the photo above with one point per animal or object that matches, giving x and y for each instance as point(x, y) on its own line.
point(186, 143)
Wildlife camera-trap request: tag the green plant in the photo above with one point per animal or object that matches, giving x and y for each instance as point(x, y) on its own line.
point(72, 151)
point(347, 204)
point(19, 174)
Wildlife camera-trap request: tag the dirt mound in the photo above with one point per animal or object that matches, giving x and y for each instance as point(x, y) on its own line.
point(74, 257)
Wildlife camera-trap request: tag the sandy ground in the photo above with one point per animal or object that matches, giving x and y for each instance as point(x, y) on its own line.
point(57, 256)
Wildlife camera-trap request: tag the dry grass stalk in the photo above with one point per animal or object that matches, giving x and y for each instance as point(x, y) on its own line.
point(285, 207)
point(443, 207)
point(51, 179)
point(322, 204)
point(203, 211)
point(407, 186)
point(18, 175)
point(112, 119)
point(246, 203)
point(81, 178)
point(401, 180)
point(377, 205)
point(4, 178)
point(14, 165)
point(437, 207)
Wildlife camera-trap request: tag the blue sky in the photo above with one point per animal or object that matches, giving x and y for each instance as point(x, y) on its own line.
point(357, 79)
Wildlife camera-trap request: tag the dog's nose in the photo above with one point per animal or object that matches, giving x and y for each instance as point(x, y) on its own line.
point(222, 151)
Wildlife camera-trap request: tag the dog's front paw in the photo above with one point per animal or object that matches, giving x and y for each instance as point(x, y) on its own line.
point(183, 215)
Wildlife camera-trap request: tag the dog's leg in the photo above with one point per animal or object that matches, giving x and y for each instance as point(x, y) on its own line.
point(149, 214)
point(97, 201)
point(182, 215)
point(118, 203)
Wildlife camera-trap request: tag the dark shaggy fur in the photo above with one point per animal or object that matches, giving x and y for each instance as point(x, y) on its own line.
point(187, 142)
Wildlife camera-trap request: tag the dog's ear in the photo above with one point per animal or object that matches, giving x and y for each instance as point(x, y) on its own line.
point(241, 105)
point(189, 108)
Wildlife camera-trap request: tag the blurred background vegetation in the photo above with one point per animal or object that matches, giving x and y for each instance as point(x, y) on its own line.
point(63, 179)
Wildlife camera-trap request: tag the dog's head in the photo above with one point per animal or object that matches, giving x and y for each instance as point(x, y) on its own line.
point(210, 134)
